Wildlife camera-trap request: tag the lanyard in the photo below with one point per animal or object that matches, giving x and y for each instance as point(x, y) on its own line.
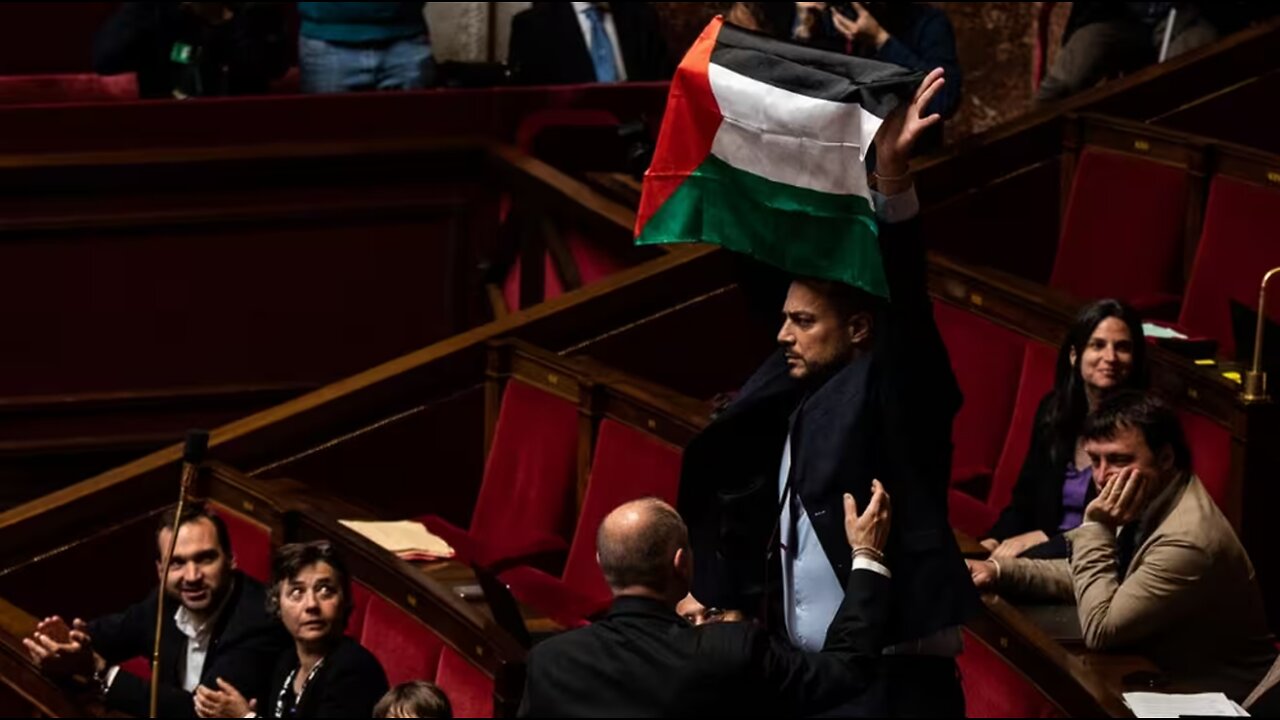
point(288, 683)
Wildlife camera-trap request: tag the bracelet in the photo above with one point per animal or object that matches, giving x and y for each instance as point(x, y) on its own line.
point(870, 553)
point(894, 178)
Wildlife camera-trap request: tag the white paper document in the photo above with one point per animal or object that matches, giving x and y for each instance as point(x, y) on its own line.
point(408, 539)
point(1159, 705)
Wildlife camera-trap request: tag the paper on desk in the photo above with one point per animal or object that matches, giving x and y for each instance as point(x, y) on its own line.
point(409, 539)
point(1162, 332)
point(1160, 705)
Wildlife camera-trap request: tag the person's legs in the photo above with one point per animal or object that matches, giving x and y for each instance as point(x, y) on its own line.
point(328, 67)
point(1094, 53)
point(406, 65)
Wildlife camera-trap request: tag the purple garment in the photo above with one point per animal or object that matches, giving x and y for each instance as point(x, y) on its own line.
point(1075, 488)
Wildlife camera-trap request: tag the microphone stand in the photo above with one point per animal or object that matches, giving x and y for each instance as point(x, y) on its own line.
point(192, 455)
point(1255, 381)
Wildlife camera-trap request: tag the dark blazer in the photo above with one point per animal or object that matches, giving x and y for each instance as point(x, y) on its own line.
point(887, 415)
point(1037, 498)
point(348, 685)
point(547, 46)
point(643, 660)
point(244, 648)
point(239, 57)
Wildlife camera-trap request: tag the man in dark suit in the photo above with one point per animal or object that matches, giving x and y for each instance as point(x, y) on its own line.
point(216, 626)
point(562, 43)
point(861, 389)
point(644, 660)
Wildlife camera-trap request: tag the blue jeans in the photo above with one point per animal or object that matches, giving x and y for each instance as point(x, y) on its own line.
point(329, 67)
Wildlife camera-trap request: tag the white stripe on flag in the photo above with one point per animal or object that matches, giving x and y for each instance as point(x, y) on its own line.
point(790, 138)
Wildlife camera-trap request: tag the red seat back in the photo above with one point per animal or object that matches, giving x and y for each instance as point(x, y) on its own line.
point(469, 690)
point(628, 465)
point(995, 689)
point(530, 479)
point(987, 360)
point(1038, 367)
point(1210, 454)
point(407, 649)
point(250, 543)
point(1124, 213)
point(593, 261)
point(1237, 248)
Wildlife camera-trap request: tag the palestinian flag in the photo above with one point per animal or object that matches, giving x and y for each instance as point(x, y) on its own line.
point(763, 151)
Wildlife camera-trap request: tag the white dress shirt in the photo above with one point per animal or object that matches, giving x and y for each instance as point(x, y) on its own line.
point(198, 637)
point(610, 29)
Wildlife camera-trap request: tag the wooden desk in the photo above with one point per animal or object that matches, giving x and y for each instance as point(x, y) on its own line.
point(456, 576)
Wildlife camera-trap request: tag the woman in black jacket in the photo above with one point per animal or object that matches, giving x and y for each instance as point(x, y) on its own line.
point(326, 674)
point(1104, 352)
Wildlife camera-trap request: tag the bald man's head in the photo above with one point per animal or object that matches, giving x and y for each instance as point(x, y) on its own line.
point(644, 545)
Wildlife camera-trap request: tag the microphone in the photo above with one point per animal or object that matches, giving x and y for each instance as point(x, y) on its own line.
point(193, 451)
point(1255, 381)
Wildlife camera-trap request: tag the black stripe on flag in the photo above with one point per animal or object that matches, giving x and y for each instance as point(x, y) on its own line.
point(878, 87)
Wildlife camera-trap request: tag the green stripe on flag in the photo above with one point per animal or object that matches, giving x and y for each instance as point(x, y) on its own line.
point(802, 231)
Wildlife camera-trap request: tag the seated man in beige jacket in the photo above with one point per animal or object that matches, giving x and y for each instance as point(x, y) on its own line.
point(1155, 569)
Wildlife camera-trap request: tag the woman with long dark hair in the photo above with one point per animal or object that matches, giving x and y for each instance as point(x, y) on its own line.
point(1105, 351)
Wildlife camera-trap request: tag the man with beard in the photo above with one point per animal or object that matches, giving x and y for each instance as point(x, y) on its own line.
point(861, 389)
point(216, 626)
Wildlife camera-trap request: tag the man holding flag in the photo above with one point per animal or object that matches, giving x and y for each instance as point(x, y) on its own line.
point(762, 151)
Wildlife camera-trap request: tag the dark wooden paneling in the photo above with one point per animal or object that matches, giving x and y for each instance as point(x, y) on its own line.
point(89, 574)
point(425, 459)
point(1237, 114)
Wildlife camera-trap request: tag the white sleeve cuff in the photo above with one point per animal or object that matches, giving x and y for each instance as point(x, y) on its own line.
point(864, 563)
point(109, 677)
point(898, 208)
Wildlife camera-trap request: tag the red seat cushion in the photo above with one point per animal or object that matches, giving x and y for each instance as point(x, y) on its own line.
point(628, 465)
point(138, 667)
point(469, 689)
point(593, 261)
point(970, 515)
point(987, 360)
point(1124, 212)
point(995, 689)
point(1237, 248)
point(1210, 454)
point(407, 649)
point(1038, 368)
point(526, 501)
point(250, 543)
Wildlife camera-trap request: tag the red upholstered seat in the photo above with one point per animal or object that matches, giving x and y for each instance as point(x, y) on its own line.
point(987, 360)
point(1210, 453)
point(560, 119)
point(969, 515)
point(526, 501)
point(593, 262)
point(407, 649)
point(1038, 367)
point(138, 667)
point(67, 88)
point(360, 596)
point(995, 689)
point(975, 517)
point(250, 542)
point(628, 465)
point(1124, 213)
point(469, 690)
point(1237, 248)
